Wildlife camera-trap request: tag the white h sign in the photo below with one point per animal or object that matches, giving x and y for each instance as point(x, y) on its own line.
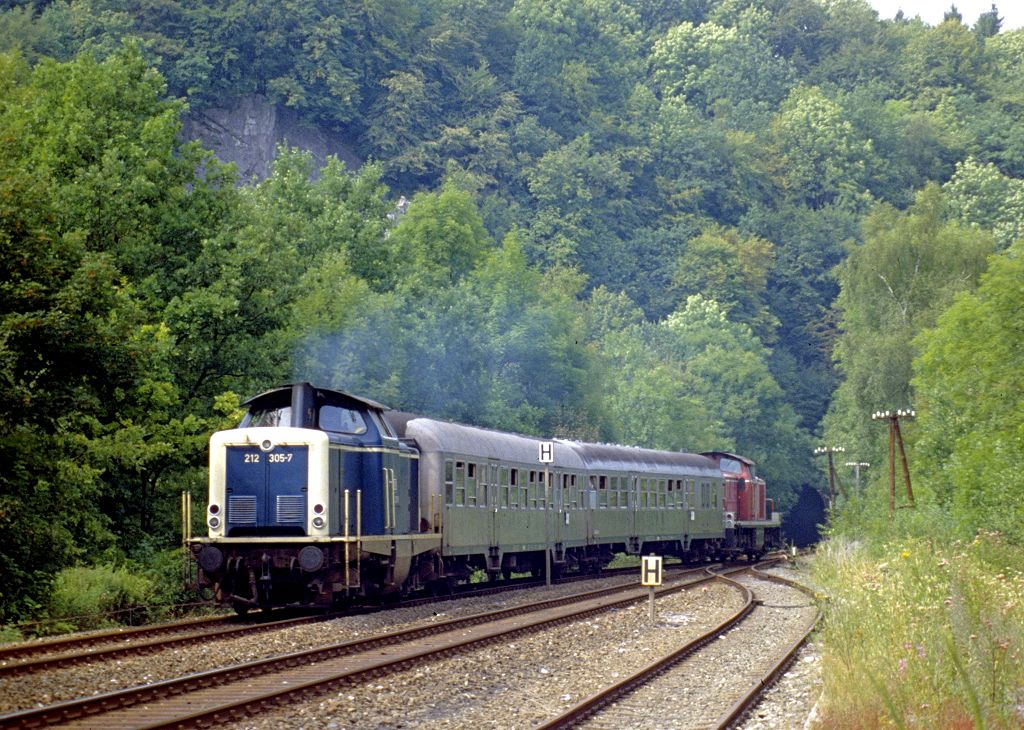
point(650, 570)
point(546, 452)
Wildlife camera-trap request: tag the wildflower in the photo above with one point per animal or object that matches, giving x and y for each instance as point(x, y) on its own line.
point(902, 666)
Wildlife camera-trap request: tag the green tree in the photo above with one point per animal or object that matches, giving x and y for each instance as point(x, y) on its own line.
point(575, 61)
point(437, 241)
point(820, 157)
point(720, 264)
point(692, 381)
point(981, 195)
point(725, 70)
point(988, 23)
point(97, 187)
point(968, 378)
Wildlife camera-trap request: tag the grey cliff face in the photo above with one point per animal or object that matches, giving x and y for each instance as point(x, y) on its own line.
point(248, 133)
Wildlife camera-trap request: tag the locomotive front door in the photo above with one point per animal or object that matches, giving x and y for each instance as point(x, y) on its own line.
point(266, 489)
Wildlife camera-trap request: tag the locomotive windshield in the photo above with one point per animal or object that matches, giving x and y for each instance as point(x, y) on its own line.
point(342, 420)
point(332, 418)
point(731, 466)
point(269, 417)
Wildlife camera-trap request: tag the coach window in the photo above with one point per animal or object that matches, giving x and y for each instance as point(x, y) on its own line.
point(503, 486)
point(449, 482)
point(513, 490)
point(460, 483)
point(470, 499)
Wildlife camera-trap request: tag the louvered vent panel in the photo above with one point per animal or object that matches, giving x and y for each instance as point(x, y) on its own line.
point(291, 509)
point(242, 510)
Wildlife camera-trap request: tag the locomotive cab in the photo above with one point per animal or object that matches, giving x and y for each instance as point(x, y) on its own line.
point(305, 502)
point(750, 523)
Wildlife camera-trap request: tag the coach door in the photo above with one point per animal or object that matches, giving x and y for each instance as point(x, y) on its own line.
point(494, 497)
point(636, 502)
point(556, 507)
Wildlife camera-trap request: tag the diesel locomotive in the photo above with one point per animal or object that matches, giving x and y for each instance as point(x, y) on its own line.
point(320, 496)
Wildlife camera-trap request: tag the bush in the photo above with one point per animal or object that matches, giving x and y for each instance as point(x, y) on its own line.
point(10, 634)
point(101, 596)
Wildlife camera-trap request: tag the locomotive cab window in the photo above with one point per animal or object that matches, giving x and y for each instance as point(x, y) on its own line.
point(731, 465)
point(341, 420)
point(269, 417)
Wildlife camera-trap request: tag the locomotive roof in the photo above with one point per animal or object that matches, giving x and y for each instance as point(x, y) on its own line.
point(726, 454)
point(609, 457)
point(328, 394)
point(443, 436)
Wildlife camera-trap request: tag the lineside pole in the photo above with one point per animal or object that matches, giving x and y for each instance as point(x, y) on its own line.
point(892, 468)
point(896, 437)
point(547, 528)
point(903, 460)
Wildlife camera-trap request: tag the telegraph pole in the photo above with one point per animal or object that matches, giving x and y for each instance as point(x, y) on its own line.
point(857, 466)
point(896, 438)
point(833, 478)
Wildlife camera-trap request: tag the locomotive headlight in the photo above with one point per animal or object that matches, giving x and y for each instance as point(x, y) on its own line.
point(213, 522)
point(214, 509)
point(318, 509)
point(318, 522)
point(266, 445)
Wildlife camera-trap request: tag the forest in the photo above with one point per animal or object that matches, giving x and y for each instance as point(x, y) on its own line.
point(742, 225)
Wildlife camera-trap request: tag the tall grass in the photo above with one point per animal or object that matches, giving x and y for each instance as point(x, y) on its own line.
point(919, 633)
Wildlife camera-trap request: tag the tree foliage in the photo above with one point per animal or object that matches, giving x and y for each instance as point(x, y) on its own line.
point(968, 379)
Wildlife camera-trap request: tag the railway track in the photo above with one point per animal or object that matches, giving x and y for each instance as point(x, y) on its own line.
point(219, 695)
point(70, 650)
point(640, 699)
point(114, 644)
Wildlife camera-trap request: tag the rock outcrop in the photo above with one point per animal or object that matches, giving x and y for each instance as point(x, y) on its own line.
point(248, 133)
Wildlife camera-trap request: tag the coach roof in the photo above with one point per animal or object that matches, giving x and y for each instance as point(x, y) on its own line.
point(607, 457)
point(454, 438)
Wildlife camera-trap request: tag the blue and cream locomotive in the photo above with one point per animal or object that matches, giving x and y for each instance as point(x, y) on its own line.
point(319, 496)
